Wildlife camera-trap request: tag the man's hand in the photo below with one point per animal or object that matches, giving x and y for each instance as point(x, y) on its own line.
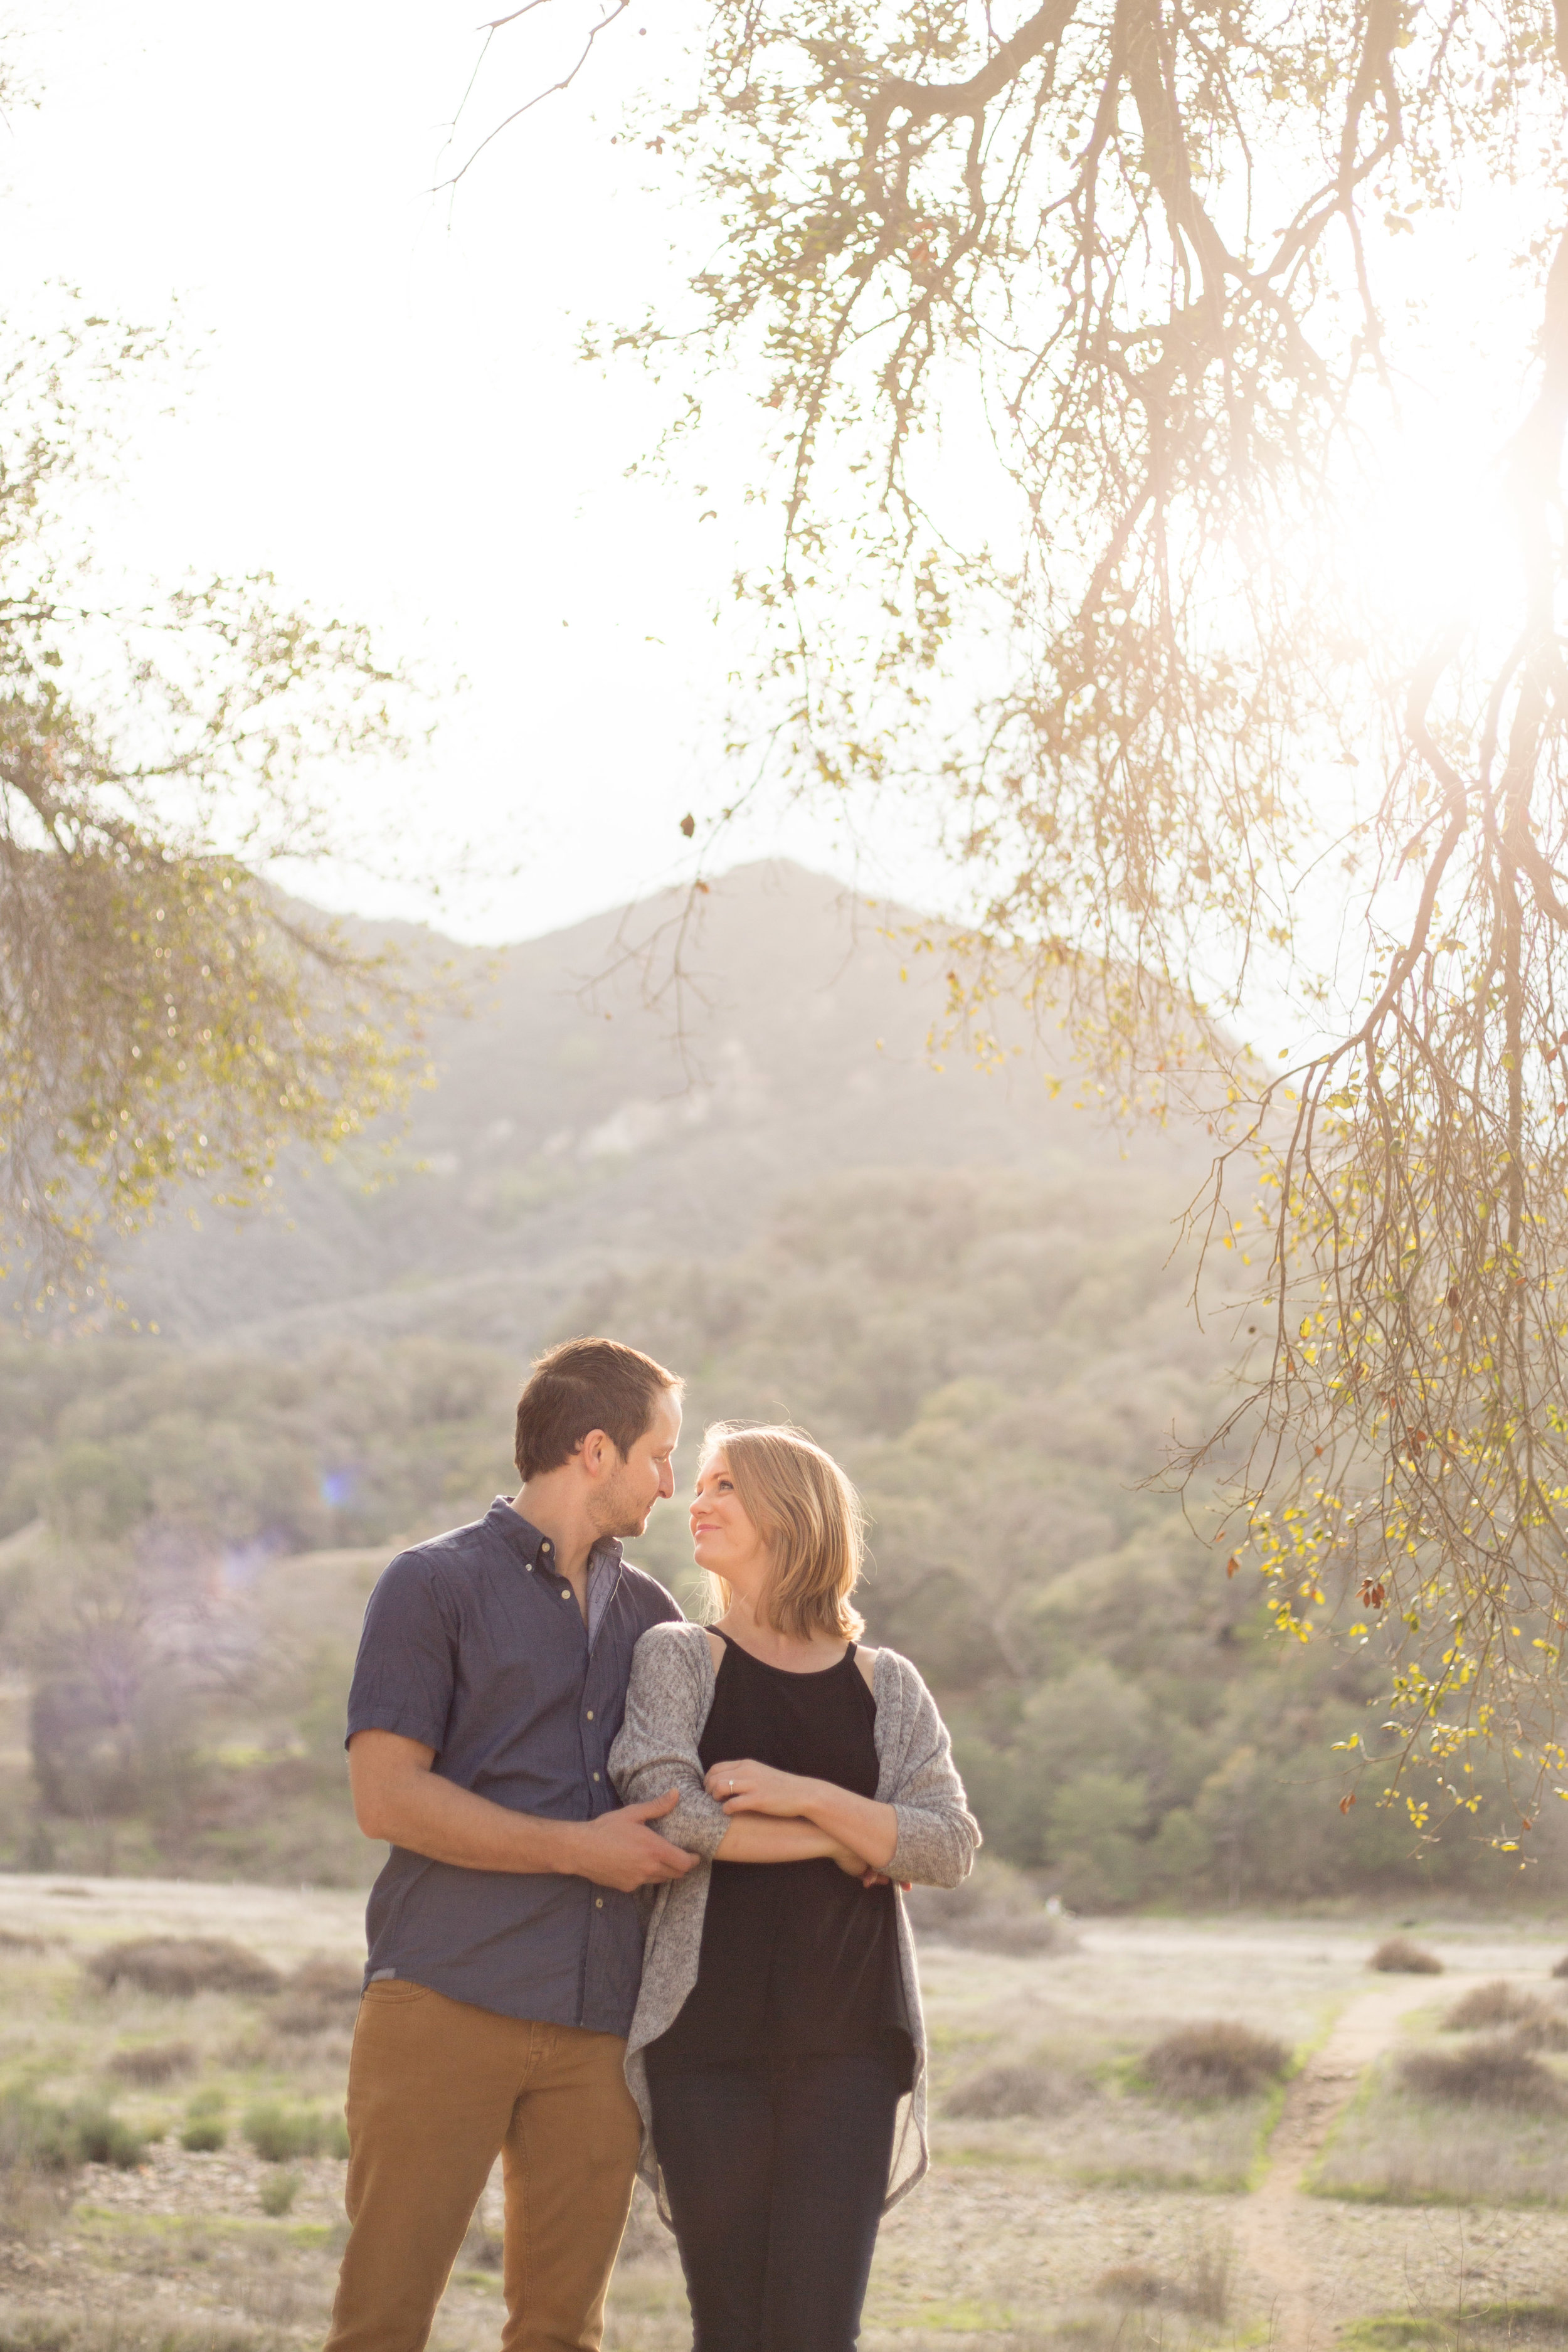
point(619, 1850)
point(398, 1797)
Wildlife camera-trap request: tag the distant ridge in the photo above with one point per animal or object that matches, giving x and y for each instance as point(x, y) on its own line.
point(572, 1133)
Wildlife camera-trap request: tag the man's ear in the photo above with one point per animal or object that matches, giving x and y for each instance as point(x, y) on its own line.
point(599, 1454)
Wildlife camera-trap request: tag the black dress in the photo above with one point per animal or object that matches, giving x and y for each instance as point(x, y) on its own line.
point(776, 2091)
point(797, 1958)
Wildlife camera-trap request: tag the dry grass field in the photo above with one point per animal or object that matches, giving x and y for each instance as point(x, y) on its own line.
point(1074, 2203)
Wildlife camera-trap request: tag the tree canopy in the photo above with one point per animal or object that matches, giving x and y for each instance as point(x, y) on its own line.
point(1082, 339)
point(164, 1013)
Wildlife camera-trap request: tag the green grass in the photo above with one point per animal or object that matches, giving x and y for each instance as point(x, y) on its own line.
point(1391, 2148)
point(1486, 2326)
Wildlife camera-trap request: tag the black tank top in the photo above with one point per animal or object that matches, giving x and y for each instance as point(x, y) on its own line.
point(797, 1958)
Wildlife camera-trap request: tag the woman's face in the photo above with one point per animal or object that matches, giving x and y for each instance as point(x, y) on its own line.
point(723, 1538)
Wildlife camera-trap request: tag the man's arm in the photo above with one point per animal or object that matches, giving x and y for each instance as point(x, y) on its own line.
point(398, 1797)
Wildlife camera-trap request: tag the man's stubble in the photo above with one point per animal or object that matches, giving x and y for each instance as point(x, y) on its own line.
point(616, 1511)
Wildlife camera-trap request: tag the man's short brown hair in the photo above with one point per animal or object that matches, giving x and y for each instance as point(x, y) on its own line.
point(582, 1385)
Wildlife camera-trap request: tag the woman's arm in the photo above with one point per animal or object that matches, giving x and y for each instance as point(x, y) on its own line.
point(754, 1839)
point(925, 1833)
point(938, 1834)
point(656, 1750)
point(759, 1791)
point(657, 1741)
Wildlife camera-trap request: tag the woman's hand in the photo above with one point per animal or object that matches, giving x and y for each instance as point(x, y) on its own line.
point(747, 1788)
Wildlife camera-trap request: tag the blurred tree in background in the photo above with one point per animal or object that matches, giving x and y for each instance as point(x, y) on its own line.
point(186, 1542)
point(165, 1014)
point(184, 1684)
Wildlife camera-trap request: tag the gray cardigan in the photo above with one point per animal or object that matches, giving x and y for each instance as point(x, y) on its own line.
point(666, 1706)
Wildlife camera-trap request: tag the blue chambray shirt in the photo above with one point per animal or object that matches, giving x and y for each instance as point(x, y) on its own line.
point(475, 1646)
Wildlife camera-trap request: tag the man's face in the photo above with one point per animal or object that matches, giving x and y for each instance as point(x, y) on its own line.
point(626, 1499)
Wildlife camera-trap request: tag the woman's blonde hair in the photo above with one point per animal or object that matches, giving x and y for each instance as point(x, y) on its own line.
point(808, 1514)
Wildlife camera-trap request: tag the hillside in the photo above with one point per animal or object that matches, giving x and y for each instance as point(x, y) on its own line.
point(582, 1119)
point(997, 1357)
point(963, 1286)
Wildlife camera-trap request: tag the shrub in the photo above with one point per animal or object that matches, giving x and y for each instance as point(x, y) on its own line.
point(34, 2331)
point(32, 2203)
point(104, 2137)
point(280, 2134)
point(38, 2137)
point(35, 2136)
point(994, 1910)
point(1487, 2005)
point(646, 2238)
point(1133, 2284)
point(1541, 2032)
point(1495, 2073)
point(484, 2248)
point(1214, 2062)
point(1396, 1956)
point(1204, 2291)
point(323, 1977)
point(153, 2062)
point(205, 2135)
point(998, 2090)
point(180, 1965)
point(278, 2192)
point(322, 1994)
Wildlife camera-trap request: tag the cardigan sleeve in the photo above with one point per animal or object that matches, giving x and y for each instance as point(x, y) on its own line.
point(938, 1834)
point(656, 1748)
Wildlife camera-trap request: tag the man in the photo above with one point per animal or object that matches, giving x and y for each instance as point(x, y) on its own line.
point(505, 1943)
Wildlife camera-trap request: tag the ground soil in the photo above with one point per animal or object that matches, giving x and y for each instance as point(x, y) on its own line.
point(1005, 2247)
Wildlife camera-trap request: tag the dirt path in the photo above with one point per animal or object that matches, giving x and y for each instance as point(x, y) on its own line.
point(1269, 2238)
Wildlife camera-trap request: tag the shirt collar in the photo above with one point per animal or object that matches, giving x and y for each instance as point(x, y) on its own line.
point(536, 1551)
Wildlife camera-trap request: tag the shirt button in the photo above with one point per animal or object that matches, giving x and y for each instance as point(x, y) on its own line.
point(590, 1715)
point(598, 1902)
point(566, 1592)
point(596, 1776)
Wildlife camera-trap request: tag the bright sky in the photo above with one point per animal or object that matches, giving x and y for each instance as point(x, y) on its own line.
point(390, 414)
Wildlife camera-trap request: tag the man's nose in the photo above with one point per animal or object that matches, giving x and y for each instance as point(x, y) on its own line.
point(667, 1480)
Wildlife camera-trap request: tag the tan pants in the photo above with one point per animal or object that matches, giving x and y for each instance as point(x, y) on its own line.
point(437, 2089)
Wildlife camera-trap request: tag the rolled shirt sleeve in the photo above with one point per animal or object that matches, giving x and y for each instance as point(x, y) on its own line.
point(406, 1671)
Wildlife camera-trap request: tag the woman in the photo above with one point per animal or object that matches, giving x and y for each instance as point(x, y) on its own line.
point(779, 2027)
